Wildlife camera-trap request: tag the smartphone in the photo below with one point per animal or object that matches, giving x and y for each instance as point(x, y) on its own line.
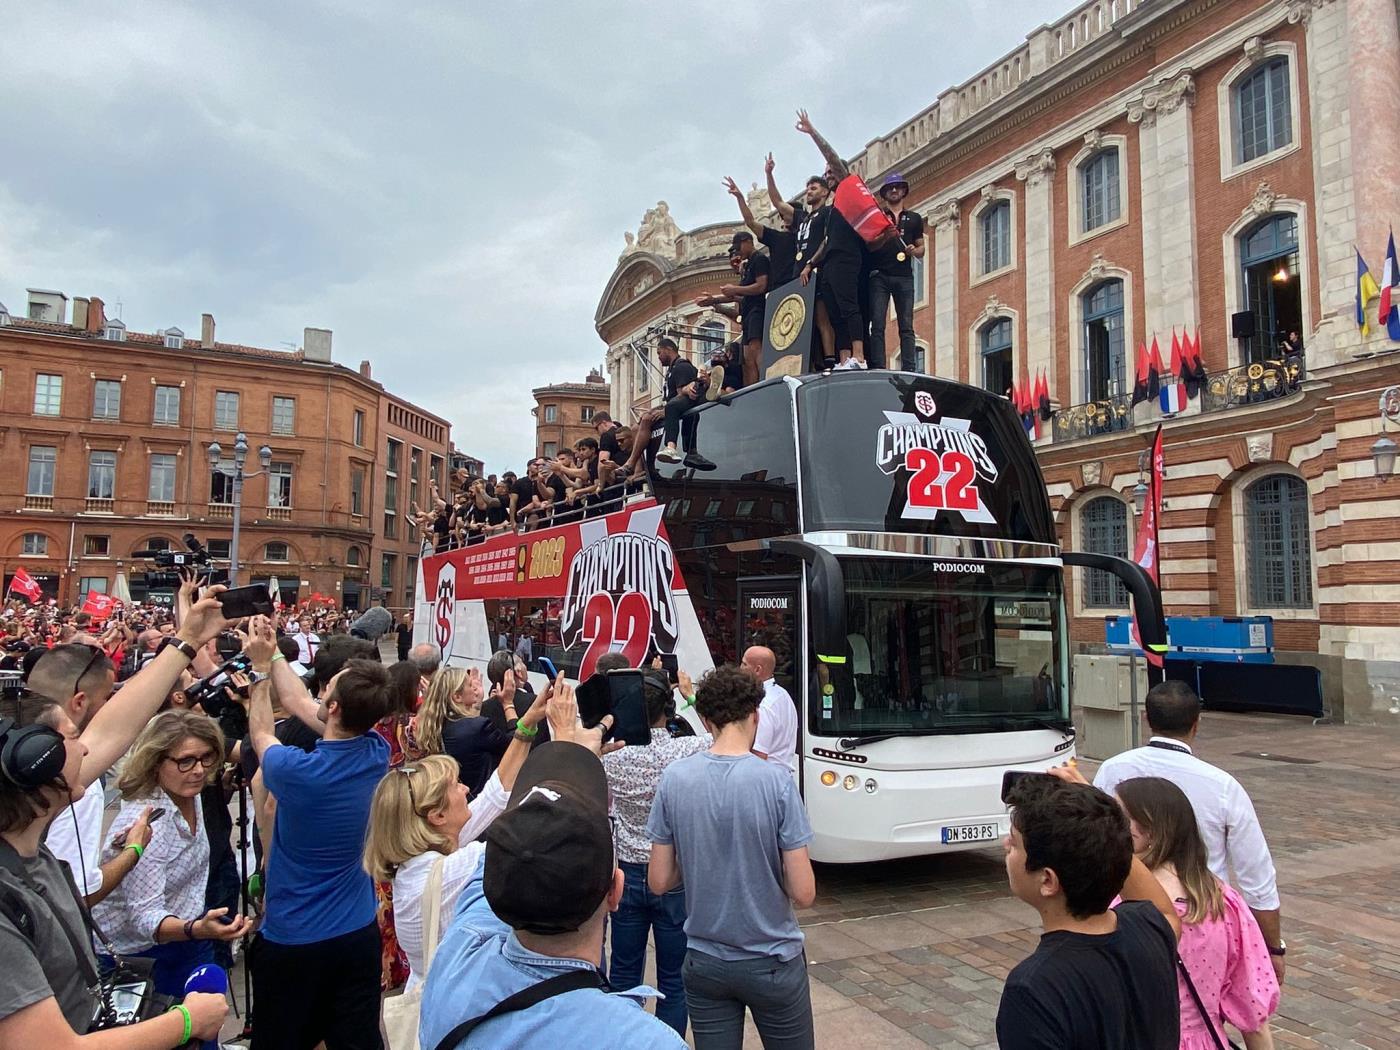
point(671, 662)
point(547, 666)
point(1013, 778)
point(155, 817)
point(594, 700)
point(245, 601)
point(629, 707)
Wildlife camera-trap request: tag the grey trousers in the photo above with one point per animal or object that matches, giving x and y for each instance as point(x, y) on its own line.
point(717, 991)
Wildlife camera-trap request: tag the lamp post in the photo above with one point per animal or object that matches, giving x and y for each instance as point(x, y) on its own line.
point(240, 456)
point(1384, 450)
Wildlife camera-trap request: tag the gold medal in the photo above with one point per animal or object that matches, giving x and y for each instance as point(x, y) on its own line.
point(799, 256)
point(901, 256)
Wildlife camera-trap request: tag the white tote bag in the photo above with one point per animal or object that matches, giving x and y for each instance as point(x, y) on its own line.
point(401, 1011)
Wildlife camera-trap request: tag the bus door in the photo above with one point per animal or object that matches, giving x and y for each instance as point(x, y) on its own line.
point(770, 614)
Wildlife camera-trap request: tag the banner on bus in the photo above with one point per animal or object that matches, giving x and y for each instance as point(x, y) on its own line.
point(945, 463)
point(617, 575)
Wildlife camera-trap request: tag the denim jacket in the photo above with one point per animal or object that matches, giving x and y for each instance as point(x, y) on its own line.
point(480, 962)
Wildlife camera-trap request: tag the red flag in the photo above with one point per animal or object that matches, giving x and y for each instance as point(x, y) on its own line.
point(1140, 376)
point(1145, 551)
point(1178, 361)
point(26, 585)
point(1155, 370)
point(98, 605)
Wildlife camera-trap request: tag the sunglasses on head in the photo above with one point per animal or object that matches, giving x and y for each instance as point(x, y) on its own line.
point(97, 653)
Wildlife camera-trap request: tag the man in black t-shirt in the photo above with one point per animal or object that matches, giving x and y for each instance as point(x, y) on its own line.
point(749, 294)
point(781, 243)
point(525, 503)
point(683, 392)
point(892, 276)
point(610, 457)
point(1101, 978)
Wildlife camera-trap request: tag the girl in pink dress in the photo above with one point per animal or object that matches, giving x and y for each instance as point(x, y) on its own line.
point(1221, 945)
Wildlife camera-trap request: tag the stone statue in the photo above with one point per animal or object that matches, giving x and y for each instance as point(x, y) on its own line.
point(658, 231)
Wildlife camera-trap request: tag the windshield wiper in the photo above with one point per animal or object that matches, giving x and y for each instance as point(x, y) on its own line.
point(850, 743)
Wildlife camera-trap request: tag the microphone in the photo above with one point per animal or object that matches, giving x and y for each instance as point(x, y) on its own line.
point(212, 978)
point(372, 624)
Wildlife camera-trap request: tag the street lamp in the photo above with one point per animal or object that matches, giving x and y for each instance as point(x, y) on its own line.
point(1383, 451)
point(240, 456)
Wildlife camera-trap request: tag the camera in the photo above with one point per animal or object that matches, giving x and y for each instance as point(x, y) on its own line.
point(208, 692)
point(196, 556)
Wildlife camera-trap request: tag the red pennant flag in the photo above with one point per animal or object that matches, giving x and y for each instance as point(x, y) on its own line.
point(1155, 370)
point(23, 583)
point(1043, 401)
point(1178, 361)
point(1140, 376)
point(1145, 551)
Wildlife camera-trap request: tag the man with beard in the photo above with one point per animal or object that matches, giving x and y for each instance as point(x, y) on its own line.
point(892, 275)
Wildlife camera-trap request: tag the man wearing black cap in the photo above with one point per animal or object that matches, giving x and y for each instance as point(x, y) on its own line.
point(892, 276)
point(517, 967)
point(749, 293)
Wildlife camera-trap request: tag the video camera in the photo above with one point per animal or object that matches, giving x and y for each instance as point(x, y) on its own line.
point(208, 692)
point(197, 557)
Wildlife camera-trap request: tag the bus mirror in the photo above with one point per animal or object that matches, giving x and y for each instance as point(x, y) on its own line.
point(826, 597)
point(1147, 599)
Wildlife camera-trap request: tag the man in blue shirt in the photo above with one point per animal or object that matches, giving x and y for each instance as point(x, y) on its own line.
point(316, 964)
point(518, 966)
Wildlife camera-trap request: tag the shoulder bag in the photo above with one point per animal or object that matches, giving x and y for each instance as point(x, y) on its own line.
point(401, 1011)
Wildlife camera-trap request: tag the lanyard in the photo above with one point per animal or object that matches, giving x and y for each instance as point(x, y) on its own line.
point(1182, 748)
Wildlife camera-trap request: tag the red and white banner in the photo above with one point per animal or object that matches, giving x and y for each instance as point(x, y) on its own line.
point(98, 605)
point(1146, 552)
point(26, 585)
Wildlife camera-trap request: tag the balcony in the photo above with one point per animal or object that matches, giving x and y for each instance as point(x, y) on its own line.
point(38, 503)
point(1108, 415)
point(158, 508)
point(279, 513)
point(1252, 383)
point(220, 510)
point(97, 505)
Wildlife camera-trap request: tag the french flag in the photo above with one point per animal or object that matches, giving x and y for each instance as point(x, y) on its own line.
point(1172, 398)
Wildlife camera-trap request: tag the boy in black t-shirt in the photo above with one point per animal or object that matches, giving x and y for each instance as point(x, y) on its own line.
point(1101, 978)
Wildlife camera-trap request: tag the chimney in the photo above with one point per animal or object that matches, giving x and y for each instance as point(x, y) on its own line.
point(364, 369)
point(80, 313)
point(316, 344)
point(206, 331)
point(97, 316)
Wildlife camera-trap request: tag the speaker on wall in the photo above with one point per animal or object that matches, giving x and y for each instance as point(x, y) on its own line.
point(1242, 324)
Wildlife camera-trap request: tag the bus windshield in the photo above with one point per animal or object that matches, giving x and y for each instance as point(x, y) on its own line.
point(947, 646)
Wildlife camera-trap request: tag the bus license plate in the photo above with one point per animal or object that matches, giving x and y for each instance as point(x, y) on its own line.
point(969, 833)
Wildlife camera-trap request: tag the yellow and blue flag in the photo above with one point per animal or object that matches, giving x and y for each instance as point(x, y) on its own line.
point(1366, 290)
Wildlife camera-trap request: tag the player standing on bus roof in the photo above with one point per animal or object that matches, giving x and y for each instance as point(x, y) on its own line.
point(892, 275)
point(750, 294)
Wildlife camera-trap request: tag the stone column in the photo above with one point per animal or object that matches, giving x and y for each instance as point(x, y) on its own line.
point(1373, 51)
point(944, 218)
point(1167, 202)
point(1038, 173)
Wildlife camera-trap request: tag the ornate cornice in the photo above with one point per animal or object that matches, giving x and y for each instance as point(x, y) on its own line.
point(1036, 167)
point(945, 214)
point(1163, 99)
point(1263, 200)
point(1302, 10)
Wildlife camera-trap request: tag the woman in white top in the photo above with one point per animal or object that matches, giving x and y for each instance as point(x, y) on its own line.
point(158, 910)
point(420, 816)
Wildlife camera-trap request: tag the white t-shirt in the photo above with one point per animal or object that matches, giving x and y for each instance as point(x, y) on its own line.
point(307, 641)
point(80, 824)
point(777, 726)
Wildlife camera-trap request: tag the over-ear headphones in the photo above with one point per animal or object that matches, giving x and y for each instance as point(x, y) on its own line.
point(30, 756)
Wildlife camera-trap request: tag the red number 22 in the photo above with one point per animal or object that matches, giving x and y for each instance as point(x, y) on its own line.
point(944, 482)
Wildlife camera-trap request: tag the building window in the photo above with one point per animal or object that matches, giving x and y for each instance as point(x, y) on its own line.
point(386, 572)
point(42, 461)
point(279, 485)
point(920, 359)
point(410, 578)
point(1103, 529)
point(275, 552)
point(115, 332)
point(1272, 286)
point(995, 221)
point(221, 482)
point(1263, 112)
point(36, 545)
point(392, 450)
point(710, 339)
point(284, 410)
point(550, 450)
point(225, 410)
point(551, 413)
point(219, 549)
point(162, 485)
point(167, 407)
point(357, 491)
point(156, 543)
point(102, 475)
point(997, 369)
point(1102, 197)
point(48, 394)
point(106, 399)
point(91, 584)
point(174, 339)
point(1276, 531)
point(415, 469)
point(1104, 351)
point(352, 556)
point(586, 413)
point(920, 285)
point(359, 428)
point(435, 469)
point(97, 546)
point(642, 362)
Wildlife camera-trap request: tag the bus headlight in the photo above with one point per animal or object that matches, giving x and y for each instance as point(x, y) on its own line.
point(850, 782)
point(828, 777)
point(870, 787)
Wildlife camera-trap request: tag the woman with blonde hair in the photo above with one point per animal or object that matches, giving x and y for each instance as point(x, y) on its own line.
point(158, 910)
point(422, 831)
point(1224, 973)
point(450, 722)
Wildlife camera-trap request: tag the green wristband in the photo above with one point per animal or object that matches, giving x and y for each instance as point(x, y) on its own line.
point(189, 1022)
point(137, 847)
point(529, 732)
point(277, 656)
point(689, 702)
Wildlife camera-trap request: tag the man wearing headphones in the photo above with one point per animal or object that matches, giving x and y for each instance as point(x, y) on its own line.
point(48, 972)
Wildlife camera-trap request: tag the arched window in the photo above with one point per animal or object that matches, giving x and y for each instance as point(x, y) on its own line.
point(1272, 286)
point(1101, 193)
point(997, 369)
point(1263, 111)
point(995, 222)
point(36, 544)
point(1103, 529)
point(352, 556)
point(1104, 343)
point(1277, 539)
point(156, 543)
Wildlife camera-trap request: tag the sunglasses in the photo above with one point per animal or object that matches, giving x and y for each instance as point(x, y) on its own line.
point(208, 760)
point(97, 653)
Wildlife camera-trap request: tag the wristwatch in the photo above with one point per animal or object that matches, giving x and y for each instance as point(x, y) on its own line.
point(257, 678)
point(1282, 948)
point(185, 647)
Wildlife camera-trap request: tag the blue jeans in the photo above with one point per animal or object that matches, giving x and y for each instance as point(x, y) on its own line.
point(900, 288)
point(775, 992)
point(639, 911)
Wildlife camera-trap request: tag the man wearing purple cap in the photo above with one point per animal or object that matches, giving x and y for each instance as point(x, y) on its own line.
point(892, 276)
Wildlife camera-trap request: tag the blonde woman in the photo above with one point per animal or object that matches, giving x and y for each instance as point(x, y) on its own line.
point(420, 817)
point(158, 910)
point(450, 722)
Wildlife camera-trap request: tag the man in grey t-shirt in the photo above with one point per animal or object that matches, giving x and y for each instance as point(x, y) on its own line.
point(745, 948)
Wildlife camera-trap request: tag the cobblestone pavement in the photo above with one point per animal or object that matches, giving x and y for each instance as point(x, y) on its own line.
point(913, 953)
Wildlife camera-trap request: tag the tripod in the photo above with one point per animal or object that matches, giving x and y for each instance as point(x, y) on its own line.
point(243, 823)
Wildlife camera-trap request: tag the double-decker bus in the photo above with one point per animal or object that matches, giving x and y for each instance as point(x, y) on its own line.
point(887, 535)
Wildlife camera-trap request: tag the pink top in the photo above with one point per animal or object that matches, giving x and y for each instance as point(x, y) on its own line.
point(1230, 967)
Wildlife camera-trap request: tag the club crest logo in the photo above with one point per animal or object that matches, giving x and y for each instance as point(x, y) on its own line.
point(444, 608)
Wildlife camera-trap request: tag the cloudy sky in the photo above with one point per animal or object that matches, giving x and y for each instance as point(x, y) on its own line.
point(444, 184)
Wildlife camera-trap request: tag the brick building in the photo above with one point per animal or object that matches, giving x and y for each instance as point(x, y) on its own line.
point(564, 412)
point(104, 437)
point(1137, 169)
